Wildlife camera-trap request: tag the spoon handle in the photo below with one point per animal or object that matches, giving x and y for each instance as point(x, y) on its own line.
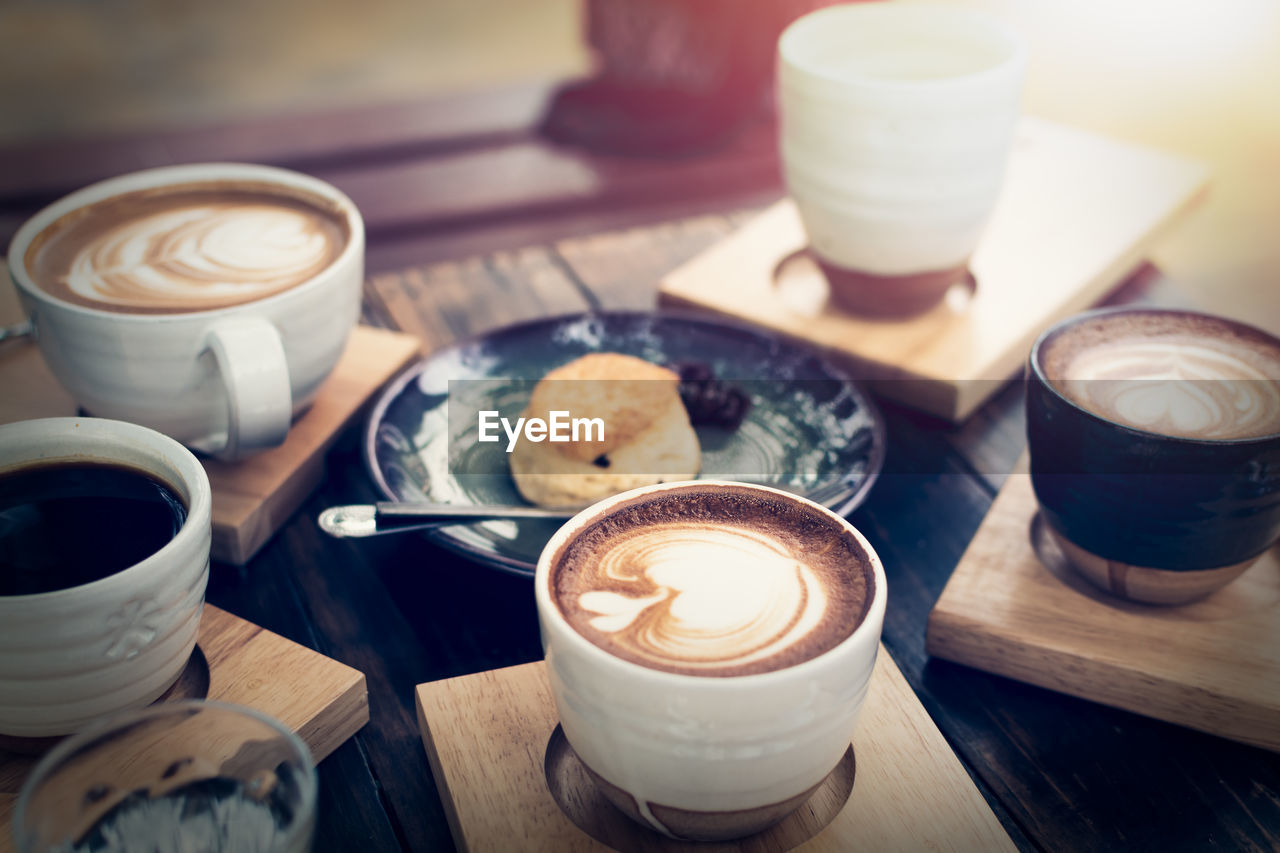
point(451, 513)
point(360, 520)
point(18, 330)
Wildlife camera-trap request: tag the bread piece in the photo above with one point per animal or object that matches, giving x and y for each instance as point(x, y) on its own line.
point(665, 451)
point(628, 393)
point(647, 435)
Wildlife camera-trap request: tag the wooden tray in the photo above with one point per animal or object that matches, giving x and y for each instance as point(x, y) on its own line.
point(1077, 212)
point(487, 738)
point(1014, 607)
point(253, 498)
point(323, 701)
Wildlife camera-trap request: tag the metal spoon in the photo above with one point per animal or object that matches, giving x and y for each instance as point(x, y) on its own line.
point(360, 520)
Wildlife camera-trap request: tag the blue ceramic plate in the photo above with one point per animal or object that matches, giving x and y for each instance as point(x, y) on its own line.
point(810, 428)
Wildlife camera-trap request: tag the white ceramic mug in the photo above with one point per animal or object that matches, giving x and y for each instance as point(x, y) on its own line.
point(228, 381)
point(896, 125)
point(71, 655)
point(752, 746)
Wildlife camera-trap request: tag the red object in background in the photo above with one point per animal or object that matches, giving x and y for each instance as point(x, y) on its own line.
point(675, 76)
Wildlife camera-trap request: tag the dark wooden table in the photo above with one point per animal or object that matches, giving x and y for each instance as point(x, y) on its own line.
point(475, 223)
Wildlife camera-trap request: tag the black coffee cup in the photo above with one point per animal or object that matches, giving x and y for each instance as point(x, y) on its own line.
point(1144, 514)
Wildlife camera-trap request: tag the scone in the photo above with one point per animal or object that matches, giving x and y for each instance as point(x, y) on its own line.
point(647, 435)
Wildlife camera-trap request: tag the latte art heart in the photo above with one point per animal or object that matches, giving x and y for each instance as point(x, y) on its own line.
point(703, 597)
point(1182, 388)
point(714, 583)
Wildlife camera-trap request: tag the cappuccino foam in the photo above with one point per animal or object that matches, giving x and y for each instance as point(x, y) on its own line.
point(1174, 374)
point(716, 581)
point(191, 247)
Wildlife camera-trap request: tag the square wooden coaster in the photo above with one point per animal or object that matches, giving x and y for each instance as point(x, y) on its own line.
point(1076, 213)
point(1014, 607)
point(252, 498)
point(323, 701)
point(487, 737)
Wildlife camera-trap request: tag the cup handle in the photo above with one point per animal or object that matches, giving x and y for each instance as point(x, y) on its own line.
point(251, 361)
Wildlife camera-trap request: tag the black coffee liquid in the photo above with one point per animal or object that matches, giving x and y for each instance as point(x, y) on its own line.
point(69, 523)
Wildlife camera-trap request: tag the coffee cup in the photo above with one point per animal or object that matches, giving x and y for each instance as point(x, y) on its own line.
point(896, 125)
point(709, 645)
point(104, 558)
point(208, 302)
point(1155, 448)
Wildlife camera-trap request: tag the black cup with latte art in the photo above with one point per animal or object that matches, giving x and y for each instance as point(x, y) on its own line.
point(1155, 445)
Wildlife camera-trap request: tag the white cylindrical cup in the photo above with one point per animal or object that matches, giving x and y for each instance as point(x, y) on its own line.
point(71, 655)
point(699, 756)
point(896, 125)
point(226, 381)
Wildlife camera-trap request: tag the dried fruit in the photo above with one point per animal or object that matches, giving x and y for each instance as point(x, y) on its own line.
point(708, 400)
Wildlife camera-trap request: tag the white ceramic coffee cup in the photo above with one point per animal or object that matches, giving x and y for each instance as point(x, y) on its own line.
point(699, 743)
point(228, 381)
point(71, 655)
point(896, 125)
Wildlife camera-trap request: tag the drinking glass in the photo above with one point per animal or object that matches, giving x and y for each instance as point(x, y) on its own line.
point(194, 776)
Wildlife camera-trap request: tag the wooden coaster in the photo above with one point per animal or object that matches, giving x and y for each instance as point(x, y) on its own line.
point(488, 738)
point(323, 701)
point(251, 499)
point(1077, 212)
point(1015, 607)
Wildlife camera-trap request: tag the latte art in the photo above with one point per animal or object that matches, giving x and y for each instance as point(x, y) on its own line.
point(733, 592)
point(1169, 373)
point(216, 253)
point(1176, 388)
point(186, 249)
point(703, 597)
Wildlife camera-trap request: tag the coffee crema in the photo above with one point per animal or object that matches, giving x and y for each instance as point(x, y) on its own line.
point(713, 582)
point(188, 247)
point(1182, 375)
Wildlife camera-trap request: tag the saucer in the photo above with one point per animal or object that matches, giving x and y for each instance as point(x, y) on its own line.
point(810, 428)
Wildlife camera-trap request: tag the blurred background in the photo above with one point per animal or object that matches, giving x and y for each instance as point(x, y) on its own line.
point(1198, 78)
point(80, 67)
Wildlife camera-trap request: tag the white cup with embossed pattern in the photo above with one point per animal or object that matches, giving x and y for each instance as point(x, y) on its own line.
point(703, 757)
point(227, 381)
point(72, 655)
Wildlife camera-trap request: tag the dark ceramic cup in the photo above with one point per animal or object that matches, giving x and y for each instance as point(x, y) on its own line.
point(1152, 517)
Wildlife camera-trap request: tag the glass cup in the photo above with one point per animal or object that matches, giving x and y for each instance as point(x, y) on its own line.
point(190, 776)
